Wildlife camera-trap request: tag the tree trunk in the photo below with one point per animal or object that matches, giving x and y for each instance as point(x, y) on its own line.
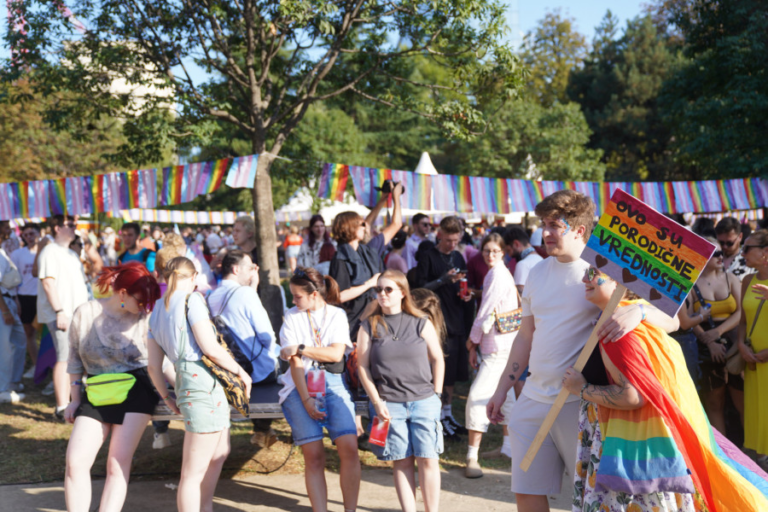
point(266, 243)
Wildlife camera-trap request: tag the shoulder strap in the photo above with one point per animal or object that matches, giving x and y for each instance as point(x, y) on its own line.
point(145, 254)
point(703, 303)
point(757, 315)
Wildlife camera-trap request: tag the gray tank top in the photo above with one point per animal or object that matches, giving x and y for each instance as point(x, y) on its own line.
point(399, 360)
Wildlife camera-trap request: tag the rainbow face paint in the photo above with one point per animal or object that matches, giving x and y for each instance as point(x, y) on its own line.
point(567, 226)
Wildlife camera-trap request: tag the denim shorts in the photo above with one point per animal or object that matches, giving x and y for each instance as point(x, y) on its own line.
point(414, 429)
point(340, 410)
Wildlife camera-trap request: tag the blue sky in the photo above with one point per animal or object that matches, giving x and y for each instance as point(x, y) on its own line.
point(587, 13)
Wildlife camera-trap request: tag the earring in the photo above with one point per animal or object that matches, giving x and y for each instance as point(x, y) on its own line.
point(122, 304)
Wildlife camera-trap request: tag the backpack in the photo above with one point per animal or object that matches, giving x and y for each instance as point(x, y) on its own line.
point(144, 256)
point(231, 339)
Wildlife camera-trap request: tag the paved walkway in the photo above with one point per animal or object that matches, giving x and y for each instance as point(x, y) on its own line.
point(267, 493)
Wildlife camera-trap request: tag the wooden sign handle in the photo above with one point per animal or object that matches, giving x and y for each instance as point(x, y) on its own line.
point(541, 435)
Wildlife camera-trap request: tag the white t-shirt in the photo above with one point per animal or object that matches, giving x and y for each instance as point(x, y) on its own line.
point(24, 259)
point(333, 326)
point(171, 330)
point(214, 243)
point(523, 267)
point(64, 266)
point(554, 296)
point(5, 266)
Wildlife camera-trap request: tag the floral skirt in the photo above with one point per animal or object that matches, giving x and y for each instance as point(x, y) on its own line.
point(587, 499)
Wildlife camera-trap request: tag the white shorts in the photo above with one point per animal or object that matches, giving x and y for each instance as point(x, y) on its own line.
point(483, 387)
point(558, 452)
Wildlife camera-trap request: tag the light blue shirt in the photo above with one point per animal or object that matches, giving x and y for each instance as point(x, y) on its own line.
point(172, 331)
point(249, 322)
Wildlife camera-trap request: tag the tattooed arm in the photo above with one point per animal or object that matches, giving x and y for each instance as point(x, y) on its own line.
point(621, 395)
point(516, 365)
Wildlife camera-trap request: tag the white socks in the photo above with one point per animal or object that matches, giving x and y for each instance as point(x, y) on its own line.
point(446, 411)
point(506, 447)
point(472, 452)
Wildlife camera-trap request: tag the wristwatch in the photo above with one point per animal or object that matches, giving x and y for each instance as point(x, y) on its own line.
point(301, 349)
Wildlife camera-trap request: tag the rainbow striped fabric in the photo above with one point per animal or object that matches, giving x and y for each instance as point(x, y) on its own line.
point(668, 444)
point(333, 182)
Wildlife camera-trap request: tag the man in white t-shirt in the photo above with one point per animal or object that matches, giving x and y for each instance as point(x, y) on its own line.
point(421, 231)
point(557, 321)
point(61, 289)
point(518, 246)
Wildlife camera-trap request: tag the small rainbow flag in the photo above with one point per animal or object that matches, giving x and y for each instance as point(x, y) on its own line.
point(212, 176)
point(501, 194)
point(21, 192)
point(130, 189)
point(172, 179)
point(242, 172)
point(333, 181)
point(58, 188)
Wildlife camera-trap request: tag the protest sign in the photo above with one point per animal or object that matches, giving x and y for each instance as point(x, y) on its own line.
point(650, 254)
point(643, 251)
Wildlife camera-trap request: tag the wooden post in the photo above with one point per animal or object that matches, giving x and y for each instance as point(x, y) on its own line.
point(541, 435)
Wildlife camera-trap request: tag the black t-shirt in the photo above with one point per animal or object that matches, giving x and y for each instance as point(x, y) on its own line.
point(354, 308)
point(458, 314)
point(595, 371)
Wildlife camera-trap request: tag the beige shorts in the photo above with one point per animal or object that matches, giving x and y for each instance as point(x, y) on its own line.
point(558, 452)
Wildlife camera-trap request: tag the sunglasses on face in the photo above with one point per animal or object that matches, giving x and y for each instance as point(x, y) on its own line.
point(727, 243)
point(383, 289)
point(717, 254)
point(592, 273)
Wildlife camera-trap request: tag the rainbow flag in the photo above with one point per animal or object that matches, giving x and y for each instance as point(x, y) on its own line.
point(212, 176)
point(242, 172)
point(365, 180)
point(669, 444)
point(501, 194)
point(95, 186)
point(333, 181)
point(130, 190)
point(463, 190)
point(58, 203)
point(421, 195)
point(21, 192)
point(172, 180)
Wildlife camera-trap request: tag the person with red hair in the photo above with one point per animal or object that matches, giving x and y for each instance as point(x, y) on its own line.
point(109, 336)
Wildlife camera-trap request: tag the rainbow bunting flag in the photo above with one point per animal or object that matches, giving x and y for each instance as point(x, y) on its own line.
point(365, 180)
point(58, 203)
point(483, 200)
point(421, 195)
point(172, 180)
point(445, 195)
point(212, 176)
point(190, 181)
point(333, 181)
point(147, 188)
point(39, 198)
point(78, 192)
point(242, 172)
point(21, 192)
point(463, 190)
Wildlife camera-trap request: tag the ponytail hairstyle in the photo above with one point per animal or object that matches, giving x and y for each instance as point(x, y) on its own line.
point(374, 314)
point(135, 279)
point(176, 269)
point(429, 303)
point(310, 280)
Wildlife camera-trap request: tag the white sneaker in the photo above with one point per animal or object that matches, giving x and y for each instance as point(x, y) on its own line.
point(30, 373)
point(48, 390)
point(11, 397)
point(161, 441)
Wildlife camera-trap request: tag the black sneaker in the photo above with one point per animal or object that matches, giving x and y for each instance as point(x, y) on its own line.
point(58, 415)
point(457, 427)
point(449, 434)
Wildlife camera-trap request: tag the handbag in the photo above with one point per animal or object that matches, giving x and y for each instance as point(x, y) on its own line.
point(736, 363)
point(11, 278)
point(108, 388)
point(510, 321)
point(234, 387)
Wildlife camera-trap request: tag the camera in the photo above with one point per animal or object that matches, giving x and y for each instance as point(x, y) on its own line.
point(388, 186)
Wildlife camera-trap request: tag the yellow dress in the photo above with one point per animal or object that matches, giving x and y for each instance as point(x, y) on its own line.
point(756, 381)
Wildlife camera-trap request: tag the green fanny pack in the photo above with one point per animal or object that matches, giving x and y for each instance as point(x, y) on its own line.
point(109, 388)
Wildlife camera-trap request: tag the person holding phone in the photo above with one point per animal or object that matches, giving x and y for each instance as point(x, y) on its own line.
point(315, 340)
point(440, 269)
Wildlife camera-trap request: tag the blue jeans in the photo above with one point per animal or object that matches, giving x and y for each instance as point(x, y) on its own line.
point(690, 347)
point(339, 407)
point(414, 429)
point(13, 349)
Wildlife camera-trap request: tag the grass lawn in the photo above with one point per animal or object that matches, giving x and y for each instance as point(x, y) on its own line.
point(34, 447)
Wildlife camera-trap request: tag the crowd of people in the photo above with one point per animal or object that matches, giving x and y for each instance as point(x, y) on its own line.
point(397, 317)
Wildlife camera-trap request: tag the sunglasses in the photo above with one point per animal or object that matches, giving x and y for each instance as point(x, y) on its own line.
point(592, 273)
point(746, 248)
point(717, 254)
point(727, 243)
point(383, 289)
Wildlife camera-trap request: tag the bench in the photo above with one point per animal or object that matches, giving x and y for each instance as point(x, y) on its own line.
point(263, 404)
